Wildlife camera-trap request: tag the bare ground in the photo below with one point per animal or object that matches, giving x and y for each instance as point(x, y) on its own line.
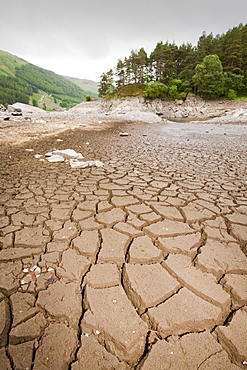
point(140, 264)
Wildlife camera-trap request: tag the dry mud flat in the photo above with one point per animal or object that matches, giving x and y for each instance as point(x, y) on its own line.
point(140, 264)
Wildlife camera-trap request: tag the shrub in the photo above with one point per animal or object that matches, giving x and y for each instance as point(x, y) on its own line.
point(173, 92)
point(156, 90)
point(35, 102)
point(232, 94)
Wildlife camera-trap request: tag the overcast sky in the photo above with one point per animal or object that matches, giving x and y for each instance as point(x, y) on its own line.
point(84, 38)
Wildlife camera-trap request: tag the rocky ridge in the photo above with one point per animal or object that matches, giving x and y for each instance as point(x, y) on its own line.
point(140, 109)
point(23, 122)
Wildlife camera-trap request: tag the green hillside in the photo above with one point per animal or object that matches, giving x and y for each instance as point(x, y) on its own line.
point(26, 83)
point(9, 63)
point(91, 87)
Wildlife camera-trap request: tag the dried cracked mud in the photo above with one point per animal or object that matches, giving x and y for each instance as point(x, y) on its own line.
point(140, 264)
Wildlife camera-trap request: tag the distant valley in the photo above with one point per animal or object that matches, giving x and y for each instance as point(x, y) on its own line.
point(87, 85)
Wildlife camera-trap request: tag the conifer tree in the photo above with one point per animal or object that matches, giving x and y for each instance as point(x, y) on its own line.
point(106, 84)
point(120, 73)
point(233, 52)
point(204, 46)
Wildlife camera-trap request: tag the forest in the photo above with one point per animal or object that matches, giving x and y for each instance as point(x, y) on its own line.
point(215, 68)
point(14, 90)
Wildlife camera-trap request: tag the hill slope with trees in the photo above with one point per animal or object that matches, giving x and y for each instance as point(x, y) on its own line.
point(216, 67)
point(26, 83)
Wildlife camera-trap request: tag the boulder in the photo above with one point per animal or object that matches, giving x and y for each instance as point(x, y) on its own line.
point(12, 109)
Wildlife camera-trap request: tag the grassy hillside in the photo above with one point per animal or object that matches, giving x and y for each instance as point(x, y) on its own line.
point(91, 87)
point(9, 63)
point(26, 83)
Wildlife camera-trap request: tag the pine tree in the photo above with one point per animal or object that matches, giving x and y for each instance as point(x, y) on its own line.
point(120, 73)
point(162, 62)
point(232, 61)
point(204, 46)
point(142, 65)
point(106, 84)
point(244, 53)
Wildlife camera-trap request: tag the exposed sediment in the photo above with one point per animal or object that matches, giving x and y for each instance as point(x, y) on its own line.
point(32, 122)
point(139, 264)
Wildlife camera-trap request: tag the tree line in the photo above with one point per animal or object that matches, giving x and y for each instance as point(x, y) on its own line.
point(215, 67)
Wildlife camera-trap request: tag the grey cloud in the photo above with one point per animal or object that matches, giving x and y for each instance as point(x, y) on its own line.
point(96, 29)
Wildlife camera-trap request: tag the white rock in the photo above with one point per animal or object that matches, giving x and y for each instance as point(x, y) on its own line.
point(68, 154)
point(78, 164)
point(81, 164)
point(56, 158)
point(98, 163)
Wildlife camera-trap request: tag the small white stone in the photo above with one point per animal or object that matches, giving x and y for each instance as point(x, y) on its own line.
point(26, 280)
point(114, 301)
point(97, 332)
point(49, 154)
point(124, 134)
